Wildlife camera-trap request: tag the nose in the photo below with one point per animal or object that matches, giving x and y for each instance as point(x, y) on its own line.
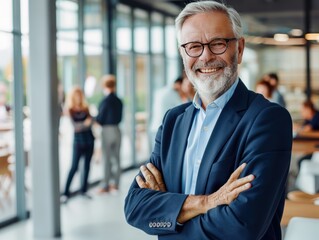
point(207, 54)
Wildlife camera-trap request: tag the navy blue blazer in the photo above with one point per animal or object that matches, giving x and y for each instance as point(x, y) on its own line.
point(250, 129)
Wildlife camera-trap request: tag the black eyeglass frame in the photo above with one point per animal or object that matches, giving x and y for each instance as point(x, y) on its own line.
point(227, 40)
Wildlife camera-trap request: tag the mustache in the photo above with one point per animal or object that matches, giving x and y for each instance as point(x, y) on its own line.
point(215, 64)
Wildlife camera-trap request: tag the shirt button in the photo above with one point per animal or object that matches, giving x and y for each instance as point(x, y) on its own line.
point(205, 128)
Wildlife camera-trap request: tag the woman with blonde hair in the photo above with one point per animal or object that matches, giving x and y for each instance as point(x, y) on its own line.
point(83, 142)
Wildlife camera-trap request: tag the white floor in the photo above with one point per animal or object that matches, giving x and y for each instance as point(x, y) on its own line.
point(84, 219)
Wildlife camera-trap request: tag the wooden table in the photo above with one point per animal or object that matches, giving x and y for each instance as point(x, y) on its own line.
point(306, 142)
point(298, 209)
point(305, 146)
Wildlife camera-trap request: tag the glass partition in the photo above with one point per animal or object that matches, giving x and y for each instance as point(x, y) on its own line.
point(6, 23)
point(142, 96)
point(7, 150)
point(172, 62)
point(125, 83)
point(124, 91)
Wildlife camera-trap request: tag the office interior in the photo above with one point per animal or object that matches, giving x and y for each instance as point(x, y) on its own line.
point(47, 47)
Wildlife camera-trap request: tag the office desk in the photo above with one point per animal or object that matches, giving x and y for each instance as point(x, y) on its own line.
point(298, 209)
point(306, 142)
point(305, 146)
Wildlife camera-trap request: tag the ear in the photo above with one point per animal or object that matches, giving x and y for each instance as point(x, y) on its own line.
point(241, 46)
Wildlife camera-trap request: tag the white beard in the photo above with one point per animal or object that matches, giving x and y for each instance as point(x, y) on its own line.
point(212, 87)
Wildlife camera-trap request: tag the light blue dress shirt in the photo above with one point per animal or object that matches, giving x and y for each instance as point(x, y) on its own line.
point(202, 128)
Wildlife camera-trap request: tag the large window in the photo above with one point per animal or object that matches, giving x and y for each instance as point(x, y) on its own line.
point(80, 47)
point(93, 49)
point(7, 187)
point(147, 53)
point(124, 90)
point(146, 59)
point(172, 63)
point(67, 43)
point(141, 47)
point(157, 50)
point(125, 83)
point(13, 62)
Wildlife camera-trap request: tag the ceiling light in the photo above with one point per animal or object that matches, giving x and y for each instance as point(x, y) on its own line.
point(296, 32)
point(271, 41)
point(280, 37)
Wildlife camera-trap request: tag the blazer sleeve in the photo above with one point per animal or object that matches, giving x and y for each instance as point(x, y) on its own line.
point(153, 212)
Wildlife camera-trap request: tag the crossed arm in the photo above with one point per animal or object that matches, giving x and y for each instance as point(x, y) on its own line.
point(195, 205)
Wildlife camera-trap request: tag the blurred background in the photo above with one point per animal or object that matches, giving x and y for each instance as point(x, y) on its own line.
point(135, 40)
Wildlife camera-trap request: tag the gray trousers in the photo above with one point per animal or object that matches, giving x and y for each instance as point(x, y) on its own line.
point(111, 143)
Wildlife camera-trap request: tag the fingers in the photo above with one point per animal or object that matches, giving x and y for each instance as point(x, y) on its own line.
point(232, 195)
point(157, 175)
point(140, 182)
point(235, 175)
point(241, 182)
point(235, 188)
point(149, 178)
point(232, 188)
point(152, 178)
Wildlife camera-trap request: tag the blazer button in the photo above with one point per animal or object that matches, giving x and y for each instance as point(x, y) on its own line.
point(154, 224)
point(150, 225)
point(169, 224)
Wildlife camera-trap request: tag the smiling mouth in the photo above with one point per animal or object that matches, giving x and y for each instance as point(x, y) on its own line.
point(208, 70)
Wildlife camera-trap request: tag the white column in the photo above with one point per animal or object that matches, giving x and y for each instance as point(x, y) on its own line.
point(44, 119)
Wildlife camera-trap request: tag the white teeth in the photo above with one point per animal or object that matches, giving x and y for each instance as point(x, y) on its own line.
point(209, 70)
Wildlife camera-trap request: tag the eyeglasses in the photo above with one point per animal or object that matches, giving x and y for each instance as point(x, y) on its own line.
point(217, 46)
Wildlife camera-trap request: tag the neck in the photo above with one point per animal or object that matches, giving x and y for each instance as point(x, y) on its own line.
point(107, 91)
point(209, 98)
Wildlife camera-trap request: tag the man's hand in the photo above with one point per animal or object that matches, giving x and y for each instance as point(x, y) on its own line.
point(153, 178)
point(196, 205)
point(231, 189)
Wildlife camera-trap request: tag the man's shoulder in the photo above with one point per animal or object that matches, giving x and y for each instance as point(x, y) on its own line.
point(178, 110)
point(111, 97)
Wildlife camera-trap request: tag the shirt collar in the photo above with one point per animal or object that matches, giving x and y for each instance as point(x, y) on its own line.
point(219, 102)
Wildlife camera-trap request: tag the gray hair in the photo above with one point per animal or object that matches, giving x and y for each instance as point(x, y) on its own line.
point(208, 6)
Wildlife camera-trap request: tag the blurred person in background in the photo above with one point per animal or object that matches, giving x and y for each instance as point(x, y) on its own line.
point(277, 97)
point(83, 141)
point(166, 98)
point(109, 117)
point(310, 116)
point(5, 108)
point(264, 88)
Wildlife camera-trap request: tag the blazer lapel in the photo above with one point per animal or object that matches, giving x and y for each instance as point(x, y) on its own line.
point(223, 130)
point(178, 146)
